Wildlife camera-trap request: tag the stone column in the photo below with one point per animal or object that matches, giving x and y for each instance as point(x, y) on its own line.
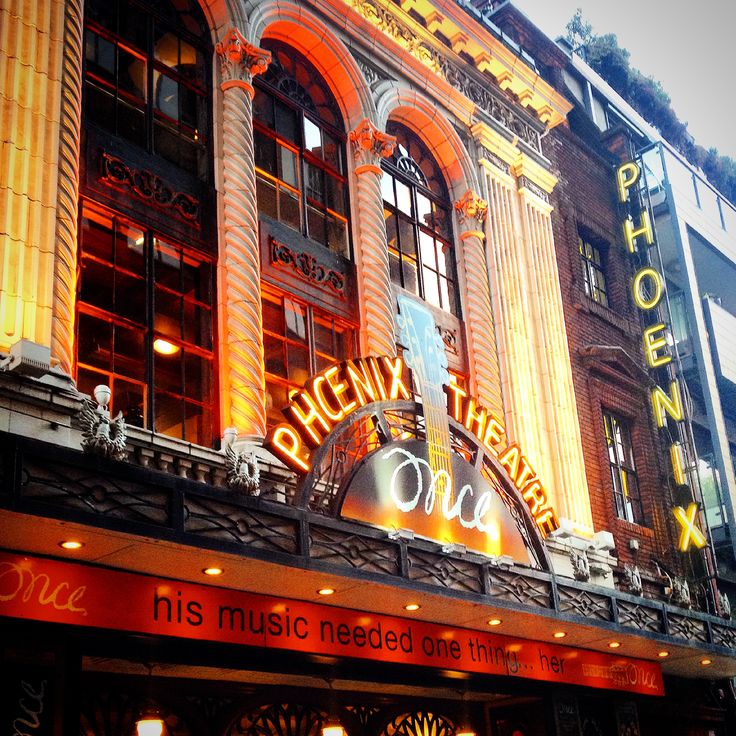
point(242, 383)
point(65, 263)
point(32, 44)
point(369, 146)
point(472, 212)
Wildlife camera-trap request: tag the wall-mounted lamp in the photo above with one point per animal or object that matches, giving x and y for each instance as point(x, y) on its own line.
point(407, 535)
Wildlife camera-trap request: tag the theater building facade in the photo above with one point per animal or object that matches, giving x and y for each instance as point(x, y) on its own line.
point(319, 413)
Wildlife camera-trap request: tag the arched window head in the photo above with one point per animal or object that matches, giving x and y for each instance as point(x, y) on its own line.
point(147, 77)
point(418, 215)
point(299, 141)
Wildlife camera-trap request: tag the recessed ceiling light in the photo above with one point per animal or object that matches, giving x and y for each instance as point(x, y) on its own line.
point(412, 606)
point(213, 571)
point(706, 662)
point(494, 621)
point(560, 634)
point(326, 591)
point(664, 653)
point(71, 544)
point(614, 644)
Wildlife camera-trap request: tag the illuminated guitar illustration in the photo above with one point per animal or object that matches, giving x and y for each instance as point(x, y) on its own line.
point(423, 485)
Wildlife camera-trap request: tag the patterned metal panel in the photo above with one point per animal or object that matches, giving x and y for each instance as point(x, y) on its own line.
point(510, 585)
point(352, 550)
point(688, 628)
point(584, 603)
point(637, 616)
point(446, 572)
point(215, 519)
point(86, 490)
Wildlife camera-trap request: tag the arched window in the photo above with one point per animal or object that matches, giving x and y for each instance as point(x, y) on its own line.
point(418, 214)
point(299, 143)
point(146, 250)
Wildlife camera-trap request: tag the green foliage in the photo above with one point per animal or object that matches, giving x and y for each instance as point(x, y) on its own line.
point(649, 99)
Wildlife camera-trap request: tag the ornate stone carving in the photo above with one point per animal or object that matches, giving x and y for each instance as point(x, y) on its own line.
point(497, 161)
point(472, 210)
point(373, 75)
point(148, 186)
point(243, 475)
point(632, 579)
point(580, 564)
point(370, 144)
point(475, 87)
point(526, 183)
point(725, 605)
point(307, 267)
point(100, 435)
point(681, 592)
point(239, 60)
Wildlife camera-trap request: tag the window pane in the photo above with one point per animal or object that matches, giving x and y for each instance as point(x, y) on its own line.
point(196, 323)
point(431, 287)
point(167, 372)
point(296, 322)
point(265, 152)
point(129, 250)
point(316, 225)
point(387, 188)
point(130, 352)
point(403, 197)
point(288, 167)
point(88, 379)
point(166, 142)
point(331, 151)
point(289, 208)
point(286, 122)
point(263, 107)
point(424, 210)
point(99, 107)
point(131, 124)
point(167, 95)
point(427, 246)
point(96, 282)
point(409, 270)
point(335, 194)
point(100, 55)
point(298, 364)
point(198, 425)
point(166, 47)
point(273, 316)
point(167, 265)
point(315, 183)
point(129, 398)
point(132, 74)
point(273, 351)
point(95, 342)
point(323, 341)
point(312, 137)
point(337, 236)
point(168, 317)
point(168, 415)
point(266, 195)
point(130, 297)
point(197, 376)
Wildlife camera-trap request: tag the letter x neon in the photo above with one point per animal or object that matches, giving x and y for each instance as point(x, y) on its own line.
point(690, 533)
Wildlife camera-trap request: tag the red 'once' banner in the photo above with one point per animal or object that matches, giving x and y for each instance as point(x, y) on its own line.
point(81, 595)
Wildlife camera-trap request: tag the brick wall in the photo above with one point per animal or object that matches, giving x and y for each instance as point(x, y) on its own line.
point(613, 378)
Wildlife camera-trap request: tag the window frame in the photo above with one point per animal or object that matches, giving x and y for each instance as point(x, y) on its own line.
point(304, 159)
point(147, 327)
point(627, 499)
point(311, 313)
point(595, 276)
point(443, 243)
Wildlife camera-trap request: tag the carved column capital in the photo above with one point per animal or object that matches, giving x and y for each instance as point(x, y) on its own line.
point(472, 211)
point(370, 145)
point(240, 61)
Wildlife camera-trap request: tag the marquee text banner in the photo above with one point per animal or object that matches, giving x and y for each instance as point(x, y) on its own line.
point(70, 593)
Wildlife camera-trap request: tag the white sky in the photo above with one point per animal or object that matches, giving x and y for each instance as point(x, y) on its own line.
point(690, 47)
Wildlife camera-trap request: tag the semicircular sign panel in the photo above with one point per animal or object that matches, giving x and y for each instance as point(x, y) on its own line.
point(402, 486)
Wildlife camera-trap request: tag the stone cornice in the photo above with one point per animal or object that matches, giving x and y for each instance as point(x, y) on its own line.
point(490, 56)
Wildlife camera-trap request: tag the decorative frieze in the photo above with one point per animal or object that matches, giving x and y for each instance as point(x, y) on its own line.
point(307, 267)
point(148, 186)
point(373, 75)
point(474, 88)
point(526, 183)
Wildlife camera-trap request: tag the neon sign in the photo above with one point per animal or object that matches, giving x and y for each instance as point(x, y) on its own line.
point(421, 484)
point(647, 290)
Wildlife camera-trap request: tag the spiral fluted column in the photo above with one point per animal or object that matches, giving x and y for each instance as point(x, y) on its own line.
point(65, 263)
point(369, 146)
point(241, 319)
point(472, 211)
